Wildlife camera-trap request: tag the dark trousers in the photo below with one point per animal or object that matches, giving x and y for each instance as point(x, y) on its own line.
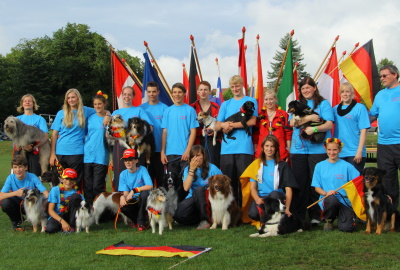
point(176, 166)
point(156, 169)
point(333, 209)
point(136, 209)
point(253, 209)
point(13, 208)
point(118, 163)
point(194, 209)
point(94, 184)
point(359, 166)
point(233, 165)
point(74, 162)
point(213, 151)
point(33, 162)
point(303, 166)
point(388, 159)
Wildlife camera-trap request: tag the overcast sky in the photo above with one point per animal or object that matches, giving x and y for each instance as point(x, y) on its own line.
point(216, 26)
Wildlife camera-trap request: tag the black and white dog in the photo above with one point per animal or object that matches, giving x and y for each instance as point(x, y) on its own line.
point(242, 116)
point(83, 217)
point(51, 177)
point(140, 137)
point(35, 205)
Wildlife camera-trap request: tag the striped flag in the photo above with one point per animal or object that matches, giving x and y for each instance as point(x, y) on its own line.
point(328, 82)
point(257, 84)
point(355, 193)
point(194, 78)
point(285, 92)
point(242, 64)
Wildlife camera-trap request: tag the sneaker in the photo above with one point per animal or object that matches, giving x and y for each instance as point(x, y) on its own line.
point(204, 225)
point(17, 226)
point(133, 225)
point(141, 227)
point(328, 225)
point(315, 222)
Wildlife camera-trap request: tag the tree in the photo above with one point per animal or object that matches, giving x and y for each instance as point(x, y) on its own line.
point(297, 57)
point(384, 62)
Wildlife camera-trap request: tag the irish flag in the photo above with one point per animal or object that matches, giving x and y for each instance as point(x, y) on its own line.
point(285, 92)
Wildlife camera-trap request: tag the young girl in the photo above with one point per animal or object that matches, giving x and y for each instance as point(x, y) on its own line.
point(329, 175)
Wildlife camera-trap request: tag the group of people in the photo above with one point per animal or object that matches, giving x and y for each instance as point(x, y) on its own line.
point(286, 166)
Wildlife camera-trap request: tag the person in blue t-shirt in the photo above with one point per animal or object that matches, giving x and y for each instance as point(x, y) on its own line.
point(329, 175)
point(11, 195)
point(386, 108)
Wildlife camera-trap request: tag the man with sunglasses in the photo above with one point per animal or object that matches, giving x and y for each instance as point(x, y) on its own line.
point(386, 107)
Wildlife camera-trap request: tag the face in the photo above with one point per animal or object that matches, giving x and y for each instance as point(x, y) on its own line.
point(269, 150)
point(130, 163)
point(388, 79)
point(308, 91)
point(333, 150)
point(346, 95)
point(98, 105)
point(68, 183)
point(20, 171)
point(203, 91)
point(270, 101)
point(237, 89)
point(199, 157)
point(27, 103)
point(72, 100)
point(152, 93)
point(178, 95)
point(127, 96)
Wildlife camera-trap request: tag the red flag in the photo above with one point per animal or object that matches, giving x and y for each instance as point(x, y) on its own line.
point(122, 78)
point(242, 64)
point(329, 83)
point(194, 78)
point(185, 81)
point(257, 85)
point(295, 83)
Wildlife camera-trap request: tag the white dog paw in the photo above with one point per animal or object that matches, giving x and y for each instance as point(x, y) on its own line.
point(254, 235)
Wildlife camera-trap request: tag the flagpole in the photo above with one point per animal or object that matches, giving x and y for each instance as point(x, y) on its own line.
point(217, 93)
point(135, 78)
point(283, 62)
point(326, 56)
point(321, 70)
point(355, 47)
point(164, 82)
point(323, 198)
point(113, 97)
point(195, 55)
point(341, 58)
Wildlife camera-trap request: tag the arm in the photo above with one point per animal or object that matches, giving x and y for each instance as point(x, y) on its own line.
point(298, 122)
point(53, 156)
point(321, 128)
point(64, 224)
point(164, 159)
point(322, 192)
point(254, 193)
point(192, 138)
point(17, 193)
point(46, 193)
point(361, 143)
point(251, 122)
point(289, 195)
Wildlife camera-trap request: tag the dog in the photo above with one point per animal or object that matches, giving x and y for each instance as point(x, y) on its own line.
point(208, 122)
point(35, 204)
point(158, 210)
point(245, 113)
point(107, 200)
point(224, 208)
point(379, 208)
point(116, 131)
point(300, 110)
point(51, 177)
point(172, 186)
point(83, 217)
point(140, 137)
point(275, 222)
point(23, 135)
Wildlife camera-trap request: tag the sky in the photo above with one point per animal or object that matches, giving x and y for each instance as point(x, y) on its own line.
point(216, 26)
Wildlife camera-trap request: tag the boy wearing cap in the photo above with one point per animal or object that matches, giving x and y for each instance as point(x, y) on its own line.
point(11, 194)
point(63, 203)
point(134, 182)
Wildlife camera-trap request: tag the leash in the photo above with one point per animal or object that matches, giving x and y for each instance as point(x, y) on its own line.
point(119, 210)
point(22, 216)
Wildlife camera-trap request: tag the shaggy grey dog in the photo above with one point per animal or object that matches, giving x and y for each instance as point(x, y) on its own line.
point(23, 135)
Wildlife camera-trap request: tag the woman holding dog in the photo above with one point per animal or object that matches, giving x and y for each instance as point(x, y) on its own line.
point(304, 155)
point(195, 208)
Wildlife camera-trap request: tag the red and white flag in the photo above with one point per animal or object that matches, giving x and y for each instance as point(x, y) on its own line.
point(242, 64)
point(185, 81)
point(328, 82)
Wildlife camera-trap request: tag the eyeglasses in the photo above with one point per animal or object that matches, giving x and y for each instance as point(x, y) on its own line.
point(383, 75)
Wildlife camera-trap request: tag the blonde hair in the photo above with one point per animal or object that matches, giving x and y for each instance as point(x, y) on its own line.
point(346, 85)
point(20, 109)
point(272, 93)
point(235, 79)
point(69, 114)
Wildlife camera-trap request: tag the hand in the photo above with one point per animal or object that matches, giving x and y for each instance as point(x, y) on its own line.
point(357, 158)
point(53, 159)
point(164, 158)
point(185, 155)
point(29, 147)
point(259, 201)
point(209, 132)
point(287, 212)
point(122, 201)
point(65, 226)
point(309, 130)
point(194, 163)
point(314, 118)
point(19, 192)
point(331, 192)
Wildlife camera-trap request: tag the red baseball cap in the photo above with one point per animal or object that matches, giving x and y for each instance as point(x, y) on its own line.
point(69, 173)
point(130, 153)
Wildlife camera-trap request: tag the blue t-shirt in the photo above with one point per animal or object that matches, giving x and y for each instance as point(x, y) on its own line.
point(301, 146)
point(347, 129)
point(129, 181)
point(30, 181)
point(178, 121)
point(267, 185)
point(71, 140)
point(155, 113)
point(96, 150)
point(331, 176)
point(133, 112)
point(55, 197)
point(243, 143)
point(200, 182)
point(34, 120)
point(387, 107)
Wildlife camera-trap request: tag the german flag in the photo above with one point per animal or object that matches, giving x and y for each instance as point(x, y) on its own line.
point(361, 71)
point(355, 193)
point(147, 251)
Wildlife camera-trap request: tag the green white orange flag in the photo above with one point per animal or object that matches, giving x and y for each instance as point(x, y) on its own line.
point(285, 92)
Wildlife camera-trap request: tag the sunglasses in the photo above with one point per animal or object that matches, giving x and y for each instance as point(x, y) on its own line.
point(383, 75)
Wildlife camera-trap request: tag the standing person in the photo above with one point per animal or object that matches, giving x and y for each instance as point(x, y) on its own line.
point(386, 108)
point(351, 125)
point(179, 131)
point(128, 111)
point(155, 110)
point(211, 108)
point(272, 120)
point(96, 155)
point(195, 208)
point(27, 107)
point(329, 175)
point(237, 154)
point(69, 130)
point(304, 155)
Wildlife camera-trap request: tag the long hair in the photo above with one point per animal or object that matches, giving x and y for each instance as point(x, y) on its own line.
point(275, 143)
point(20, 108)
point(205, 167)
point(69, 114)
point(317, 98)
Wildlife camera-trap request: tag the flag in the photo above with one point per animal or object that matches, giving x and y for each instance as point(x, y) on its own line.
point(285, 92)
point(295, 84)
point(220, 96)
point(150, 74)
point(185, 81)
point(257, 77)
point(250, 172)
point(122, 78)
point(328, 82)
point(242, 64)
point(361, 71)
point(194, 78)
point(148, 251)
point(355, 193)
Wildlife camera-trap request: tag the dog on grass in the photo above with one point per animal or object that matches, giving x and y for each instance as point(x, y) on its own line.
point(23, 135)
point(83, 217)
point(208, 122)
point(140, 137)
point(172, 187)
point(300, 110)
point(107, 200)
point(224, 208)
point(158, 210)
point(116, 131)
point(381, 214)
point(245, 113)
point(35, 204)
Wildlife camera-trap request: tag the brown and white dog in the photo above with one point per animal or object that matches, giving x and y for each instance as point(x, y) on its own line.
point(224, 208)
point(116, 131)
point(107, 200)
point(140, 137)
point(208, 122)
point(158, 210)
point(35, 205)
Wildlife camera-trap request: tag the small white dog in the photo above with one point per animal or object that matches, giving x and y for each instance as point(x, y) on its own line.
point(157, 208)
point(83, 218)
point(208, 122)
point(34, 208)
point(109, 200)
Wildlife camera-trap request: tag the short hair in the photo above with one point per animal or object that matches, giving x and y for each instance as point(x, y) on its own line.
point(20, 109)
point(392, 68)
point(180, 86)
point(152, 84)
point(235, 79)
point(129, 87)
point(346, 85)
point(271, 92)
point(19, 160)
point(206, 84)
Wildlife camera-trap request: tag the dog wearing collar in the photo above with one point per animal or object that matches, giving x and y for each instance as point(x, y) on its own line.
point(116, 131)
point(245, 113)
point(159, 210)
point(208, 122)
point(140, 137)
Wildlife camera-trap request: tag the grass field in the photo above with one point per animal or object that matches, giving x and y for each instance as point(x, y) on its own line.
point(231, 249)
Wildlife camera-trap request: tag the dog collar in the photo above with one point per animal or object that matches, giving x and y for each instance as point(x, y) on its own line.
point(155, 212)
point(271, 223)
point(242, 111)
point(135, 137)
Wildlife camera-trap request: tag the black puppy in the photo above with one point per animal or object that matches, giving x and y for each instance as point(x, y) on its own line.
point(246, 111)
point(300, 110)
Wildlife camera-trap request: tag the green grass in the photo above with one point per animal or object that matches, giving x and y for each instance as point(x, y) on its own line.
point(231, 249)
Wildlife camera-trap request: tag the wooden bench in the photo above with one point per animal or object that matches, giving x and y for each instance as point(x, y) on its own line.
point(371, 154)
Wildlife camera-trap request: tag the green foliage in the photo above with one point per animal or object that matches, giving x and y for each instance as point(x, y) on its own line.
point(384, 62)
point(228, 94)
